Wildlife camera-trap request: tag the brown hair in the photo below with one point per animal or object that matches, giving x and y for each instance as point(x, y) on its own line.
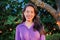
point(37, 24)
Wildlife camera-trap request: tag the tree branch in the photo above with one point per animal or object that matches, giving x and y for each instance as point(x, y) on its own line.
point(46, 6)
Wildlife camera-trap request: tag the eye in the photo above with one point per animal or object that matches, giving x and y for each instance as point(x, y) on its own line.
point(27, 11)
point(31, 11)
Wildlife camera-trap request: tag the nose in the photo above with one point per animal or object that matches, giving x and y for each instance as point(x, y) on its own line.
point(29, 12)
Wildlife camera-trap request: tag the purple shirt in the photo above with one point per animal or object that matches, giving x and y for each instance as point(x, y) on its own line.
point(24, 33)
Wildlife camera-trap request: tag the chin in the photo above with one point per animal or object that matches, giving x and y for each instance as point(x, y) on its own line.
point(28, 19)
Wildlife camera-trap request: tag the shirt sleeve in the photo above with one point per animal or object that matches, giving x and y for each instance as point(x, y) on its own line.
point(42, 37)
point(17, 34)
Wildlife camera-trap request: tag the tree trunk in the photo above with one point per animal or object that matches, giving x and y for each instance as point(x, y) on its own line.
point(53, 12)
point(58, 11)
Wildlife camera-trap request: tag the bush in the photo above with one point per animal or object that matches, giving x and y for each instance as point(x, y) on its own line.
point(53, 37)
point(48, 37)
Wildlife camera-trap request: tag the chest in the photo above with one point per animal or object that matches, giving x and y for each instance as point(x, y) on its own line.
point(30, 34)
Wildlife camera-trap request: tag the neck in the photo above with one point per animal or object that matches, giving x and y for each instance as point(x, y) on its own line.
point(29, 22)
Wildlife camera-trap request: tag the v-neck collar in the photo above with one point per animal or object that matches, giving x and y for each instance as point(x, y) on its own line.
point(30, 26)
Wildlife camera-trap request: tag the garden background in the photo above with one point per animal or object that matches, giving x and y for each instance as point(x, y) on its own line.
point(11, 16)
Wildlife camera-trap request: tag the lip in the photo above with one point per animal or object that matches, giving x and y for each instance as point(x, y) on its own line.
point(28, 17)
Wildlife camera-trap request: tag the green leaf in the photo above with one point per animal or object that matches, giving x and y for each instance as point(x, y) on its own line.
point(10, 19)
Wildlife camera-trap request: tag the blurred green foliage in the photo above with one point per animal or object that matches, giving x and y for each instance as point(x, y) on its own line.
point(11, 15)
point(53, 37)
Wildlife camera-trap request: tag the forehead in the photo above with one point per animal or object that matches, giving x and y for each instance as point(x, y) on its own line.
point(30, 8)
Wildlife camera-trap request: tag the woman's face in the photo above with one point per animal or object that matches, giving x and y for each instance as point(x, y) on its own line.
point(29, 13)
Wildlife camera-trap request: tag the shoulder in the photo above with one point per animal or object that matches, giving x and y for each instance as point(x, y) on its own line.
point(19, 25)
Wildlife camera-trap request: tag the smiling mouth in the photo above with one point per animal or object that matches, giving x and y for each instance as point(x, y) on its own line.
point(28, 17)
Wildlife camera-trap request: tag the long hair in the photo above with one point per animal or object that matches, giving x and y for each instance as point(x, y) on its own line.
point(37, 24)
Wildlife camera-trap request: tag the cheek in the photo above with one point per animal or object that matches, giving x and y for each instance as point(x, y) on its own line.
point(32, 15)
point(29, 16)
point(25, 15)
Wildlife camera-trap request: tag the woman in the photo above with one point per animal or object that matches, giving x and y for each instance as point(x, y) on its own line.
point(30, 28)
